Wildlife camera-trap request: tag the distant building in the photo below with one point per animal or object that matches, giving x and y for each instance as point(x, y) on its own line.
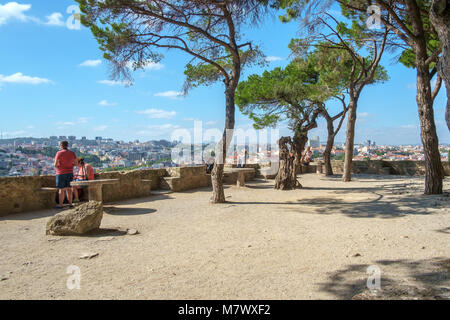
point(314, 142)
point(53, 138)
point(136, 156)
point(71, 138)
point(62, 138)
point(98, 138)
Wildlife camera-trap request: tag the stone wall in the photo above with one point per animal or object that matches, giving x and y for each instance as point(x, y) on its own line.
point(185, 178)
point(23, 194)
point(405, 168)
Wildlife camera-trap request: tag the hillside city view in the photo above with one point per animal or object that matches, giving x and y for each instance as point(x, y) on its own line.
point(224, 159)
point(31, 157)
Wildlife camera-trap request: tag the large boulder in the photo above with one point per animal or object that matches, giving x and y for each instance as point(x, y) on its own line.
point(77, 221)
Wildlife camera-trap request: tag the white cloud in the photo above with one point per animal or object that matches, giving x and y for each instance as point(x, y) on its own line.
point(83, 120)
point(22, 79)
point(170, 94)
point(90, 63)
point(158, 114)
point(15, 133)
point(115, 83)
point(149, 65)
point(164, 127)
point(158, 130)
point(105, 103)
point(55, 19)
point(66, 123)
point(100, 128)
point(273, 58)
point(363, 114)
point(153, 66)
point(13, 10)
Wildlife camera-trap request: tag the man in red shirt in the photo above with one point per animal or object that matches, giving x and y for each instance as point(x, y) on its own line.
point(65, 160)
point(85, 172)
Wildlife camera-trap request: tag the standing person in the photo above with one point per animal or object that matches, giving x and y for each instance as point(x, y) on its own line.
point(85, 172)
point(307, 156)
point(65, 160)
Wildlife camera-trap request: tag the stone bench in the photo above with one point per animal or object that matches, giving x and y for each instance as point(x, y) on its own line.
point(48, 190)
point(241, 173)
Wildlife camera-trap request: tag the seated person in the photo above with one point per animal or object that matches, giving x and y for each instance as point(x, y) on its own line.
point(85, 172)
point(209, 165)
point(306, 157)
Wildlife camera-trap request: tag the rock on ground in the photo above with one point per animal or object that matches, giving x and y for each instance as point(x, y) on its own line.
point(77, 221)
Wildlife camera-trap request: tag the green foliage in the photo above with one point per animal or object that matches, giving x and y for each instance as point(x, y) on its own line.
point(133, 32)
point(407, 56)
point(339, 157)
point(149, 164)
point(207, 74)
point(307, 82)
point(280, 94)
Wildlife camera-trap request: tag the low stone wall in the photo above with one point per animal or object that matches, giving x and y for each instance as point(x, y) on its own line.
point(405, 168)
point(130, 184)
point(185, 178)
point(23, 194)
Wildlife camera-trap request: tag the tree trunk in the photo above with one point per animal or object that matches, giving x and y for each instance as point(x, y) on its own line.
point(350, 141)
point(433, 165)
point(218, 195)
point(440, 17)
point(329, 147)
point(299, 143)
point(286, 178)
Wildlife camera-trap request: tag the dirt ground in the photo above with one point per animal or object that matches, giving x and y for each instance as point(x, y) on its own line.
point(312, 243)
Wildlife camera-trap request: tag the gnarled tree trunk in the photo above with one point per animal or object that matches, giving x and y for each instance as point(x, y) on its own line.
point(299, 143)
point(286, 178)
point(218, 195)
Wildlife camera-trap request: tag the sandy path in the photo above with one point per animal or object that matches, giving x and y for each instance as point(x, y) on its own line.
point(314, 243)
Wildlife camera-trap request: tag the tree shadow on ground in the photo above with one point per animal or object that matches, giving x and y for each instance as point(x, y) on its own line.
point(29, 215)
point(444, 230)
point(397, 207)
point(259, 184)
point(138, 201)
point(372, 177)
point(374, 208)
point(400, 279)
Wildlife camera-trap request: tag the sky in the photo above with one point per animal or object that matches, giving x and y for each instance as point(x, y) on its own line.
point(54, 81)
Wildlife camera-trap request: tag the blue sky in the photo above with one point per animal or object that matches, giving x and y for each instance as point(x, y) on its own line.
point(53, 81)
